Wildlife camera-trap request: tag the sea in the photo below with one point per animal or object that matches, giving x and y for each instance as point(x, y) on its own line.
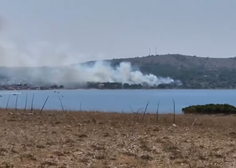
point(124, 101)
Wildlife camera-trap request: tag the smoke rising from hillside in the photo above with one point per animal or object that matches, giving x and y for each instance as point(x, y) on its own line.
point(24, 61)
point(60, 70)
point(123, 73)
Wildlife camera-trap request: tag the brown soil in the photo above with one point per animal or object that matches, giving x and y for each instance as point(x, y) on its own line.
point(82, 139)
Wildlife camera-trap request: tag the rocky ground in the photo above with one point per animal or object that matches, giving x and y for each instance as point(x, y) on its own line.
point(93, 139)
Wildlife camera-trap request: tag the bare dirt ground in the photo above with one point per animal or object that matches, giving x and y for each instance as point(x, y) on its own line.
point(93, 139)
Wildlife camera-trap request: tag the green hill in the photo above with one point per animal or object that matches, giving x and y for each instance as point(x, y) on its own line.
point(194, 72)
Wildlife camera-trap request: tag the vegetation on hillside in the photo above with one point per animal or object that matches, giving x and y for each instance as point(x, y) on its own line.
point(194, 72)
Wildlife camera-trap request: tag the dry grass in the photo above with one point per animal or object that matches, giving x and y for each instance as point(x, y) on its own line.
point(81, 139)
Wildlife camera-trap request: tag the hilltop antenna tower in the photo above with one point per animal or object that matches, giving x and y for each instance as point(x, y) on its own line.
point(149, 51)
point(156, 51)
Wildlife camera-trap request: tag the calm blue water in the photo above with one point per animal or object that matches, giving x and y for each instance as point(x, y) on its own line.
point(118, 100)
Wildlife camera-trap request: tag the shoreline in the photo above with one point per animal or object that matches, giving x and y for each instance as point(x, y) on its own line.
point(104, 90)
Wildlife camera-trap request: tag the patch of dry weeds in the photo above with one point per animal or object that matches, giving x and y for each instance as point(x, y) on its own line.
point(96, 139)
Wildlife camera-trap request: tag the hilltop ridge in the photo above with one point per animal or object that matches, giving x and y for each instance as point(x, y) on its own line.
point(178, 60)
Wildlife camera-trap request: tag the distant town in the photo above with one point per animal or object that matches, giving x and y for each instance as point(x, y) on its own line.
point(19, 86)
point(89, 85)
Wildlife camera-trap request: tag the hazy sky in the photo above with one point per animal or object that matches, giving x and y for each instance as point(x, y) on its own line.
point(96, 29)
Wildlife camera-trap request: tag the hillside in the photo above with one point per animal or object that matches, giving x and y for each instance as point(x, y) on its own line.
point(194, 72)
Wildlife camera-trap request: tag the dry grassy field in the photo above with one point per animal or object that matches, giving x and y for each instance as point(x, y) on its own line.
point(96, 139)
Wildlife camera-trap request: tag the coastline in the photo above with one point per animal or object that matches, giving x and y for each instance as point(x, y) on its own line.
point(109, 89)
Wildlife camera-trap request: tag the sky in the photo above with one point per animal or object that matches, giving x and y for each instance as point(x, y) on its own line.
point(91, 29)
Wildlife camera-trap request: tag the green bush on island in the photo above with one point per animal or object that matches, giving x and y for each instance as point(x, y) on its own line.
point(210, 109)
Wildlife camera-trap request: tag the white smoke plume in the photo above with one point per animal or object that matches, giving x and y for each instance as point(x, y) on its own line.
point(25, 65)
point(103, 72)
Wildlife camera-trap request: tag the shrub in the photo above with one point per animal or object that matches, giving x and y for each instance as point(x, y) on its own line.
point(210, 109)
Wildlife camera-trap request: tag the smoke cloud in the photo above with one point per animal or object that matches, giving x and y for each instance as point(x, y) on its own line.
point(103, 72)
point(45, 63)
point(25, 65)
point(37, 54)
